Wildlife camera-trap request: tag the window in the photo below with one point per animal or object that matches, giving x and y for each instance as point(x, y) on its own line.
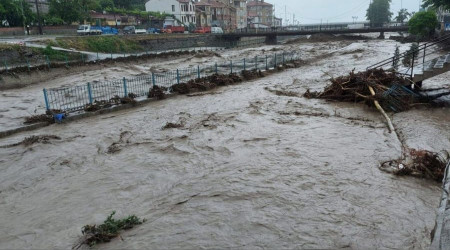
point(173, 8)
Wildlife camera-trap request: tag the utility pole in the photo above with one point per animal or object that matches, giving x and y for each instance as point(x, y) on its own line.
point(38, 17)
point(23, 18)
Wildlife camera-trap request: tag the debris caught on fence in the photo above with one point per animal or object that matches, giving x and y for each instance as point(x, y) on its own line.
point(392, 92)
point(110, 229)
point(157, 92)
point(252, 74)
point(419, 163)
point(38, 119)
point(206, 83)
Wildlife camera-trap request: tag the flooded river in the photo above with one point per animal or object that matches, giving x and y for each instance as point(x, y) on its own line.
point(254, 166)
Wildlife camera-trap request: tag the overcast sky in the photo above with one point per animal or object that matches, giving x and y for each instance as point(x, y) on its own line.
point(311, 11)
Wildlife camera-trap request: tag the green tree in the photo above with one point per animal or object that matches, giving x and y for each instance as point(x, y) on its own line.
point(67, 10)
point(379, 12)
point(402, 16)
point(436, 3)
point(16, 12)
point(423, 24)
point(106, 4)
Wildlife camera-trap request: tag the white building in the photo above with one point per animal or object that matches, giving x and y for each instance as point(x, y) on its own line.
point(241, 13)
point(183, 10)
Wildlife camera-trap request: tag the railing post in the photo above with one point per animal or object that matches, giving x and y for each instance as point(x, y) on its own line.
point(198, 71)
point(125, 90)
point(82, 57)
point(412, 64)
point(216, 68)
point(284, 62)
point(67, 61)
point(6, 65)
point(424, 53)
point(47, 104)
point(231, 67)
point(256, 62)
point(244, 64)
point(153, 79)
point(97, 56)
point(178, 76)
point(91, 100)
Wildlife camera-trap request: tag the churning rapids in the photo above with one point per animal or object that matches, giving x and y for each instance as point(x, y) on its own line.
point(254, 166)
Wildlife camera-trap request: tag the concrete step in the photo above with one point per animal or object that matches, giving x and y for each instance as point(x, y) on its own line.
point(440, 62)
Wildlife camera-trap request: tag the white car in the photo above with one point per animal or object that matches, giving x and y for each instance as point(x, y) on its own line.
point(216, 30)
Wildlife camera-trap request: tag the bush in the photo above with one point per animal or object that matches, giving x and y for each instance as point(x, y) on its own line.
point(423, 24)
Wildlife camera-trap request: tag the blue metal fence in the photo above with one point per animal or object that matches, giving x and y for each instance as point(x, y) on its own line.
point(75, 98)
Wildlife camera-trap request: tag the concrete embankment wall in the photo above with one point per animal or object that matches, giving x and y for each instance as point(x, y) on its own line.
point(441, 238)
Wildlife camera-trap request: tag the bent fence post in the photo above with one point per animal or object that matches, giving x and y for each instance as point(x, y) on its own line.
point(91, 101)
point(178, 76)
point(28, 65)
point(267, 63)
point(47, 105)
point(48, 61)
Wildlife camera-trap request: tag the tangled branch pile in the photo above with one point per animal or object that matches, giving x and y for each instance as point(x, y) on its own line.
point(38, 118)
point(419, 163)
point(206, 83)
point(94, 234)
point(390, 89)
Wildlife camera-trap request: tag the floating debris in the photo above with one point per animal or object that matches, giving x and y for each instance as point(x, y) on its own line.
point(419, 163)
point(110, 229)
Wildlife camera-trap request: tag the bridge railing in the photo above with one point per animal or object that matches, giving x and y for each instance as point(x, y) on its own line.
point(319, 27)
point(414, 59)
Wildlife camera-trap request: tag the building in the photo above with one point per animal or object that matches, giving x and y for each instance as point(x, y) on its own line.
point(43, 5)
point(203, 14)
point(277, 22)
point(183, 10)
point(223, 13)
point(241, 13)
point(444, 18)
point(260, 14)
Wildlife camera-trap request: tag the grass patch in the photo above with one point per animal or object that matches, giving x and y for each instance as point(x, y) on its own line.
point(95, 234)
point(103, 44)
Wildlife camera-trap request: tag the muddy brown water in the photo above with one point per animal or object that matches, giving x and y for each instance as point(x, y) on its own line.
point(253, 166)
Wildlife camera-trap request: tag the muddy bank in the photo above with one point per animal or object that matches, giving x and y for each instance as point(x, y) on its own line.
point(252, 166)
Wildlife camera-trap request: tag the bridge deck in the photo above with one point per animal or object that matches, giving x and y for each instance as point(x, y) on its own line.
point(278, 32)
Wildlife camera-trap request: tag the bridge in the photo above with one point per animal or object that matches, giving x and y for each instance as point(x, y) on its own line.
point(271, 34)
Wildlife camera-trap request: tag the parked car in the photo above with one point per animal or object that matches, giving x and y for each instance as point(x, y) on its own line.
point(203, 30)
point(133, 30)
point(216, 30)
point(88, 30)
point(153, 31)
point(167, 31)
point(175, 29)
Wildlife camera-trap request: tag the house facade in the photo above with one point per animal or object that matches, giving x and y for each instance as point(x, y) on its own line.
point(183, 10)
point(444, 18)
point(241, 13)
point(203, 14)
point(260, 14)
point(42, 4)
point(223, 13)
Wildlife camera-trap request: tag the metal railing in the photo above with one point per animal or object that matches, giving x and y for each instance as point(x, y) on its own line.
point(320, 27)
point(418, 57)
point(76, 98)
